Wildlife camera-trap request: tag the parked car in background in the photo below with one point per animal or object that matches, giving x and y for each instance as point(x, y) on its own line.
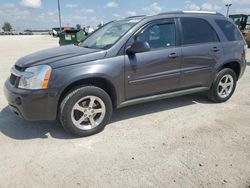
point(243, 22)
point(126, 62)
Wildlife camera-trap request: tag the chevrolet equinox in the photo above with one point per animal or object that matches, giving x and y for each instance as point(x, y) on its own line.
point(125, 62)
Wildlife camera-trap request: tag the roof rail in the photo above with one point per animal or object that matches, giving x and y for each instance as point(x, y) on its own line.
point(199, 12)
point(135, 16)
point(170, 12)
point(191, 12)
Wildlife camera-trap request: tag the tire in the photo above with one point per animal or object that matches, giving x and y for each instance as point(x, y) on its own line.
point(216, 92)
point(76, 111)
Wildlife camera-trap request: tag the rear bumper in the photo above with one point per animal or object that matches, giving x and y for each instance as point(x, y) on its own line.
point(33, 105)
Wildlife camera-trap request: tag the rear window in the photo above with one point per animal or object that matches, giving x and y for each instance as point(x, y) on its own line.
point(197, 30)
point(231, 32)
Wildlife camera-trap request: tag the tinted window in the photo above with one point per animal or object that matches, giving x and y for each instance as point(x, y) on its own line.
point(159, 35)
point(196, 30)
point(230, 31)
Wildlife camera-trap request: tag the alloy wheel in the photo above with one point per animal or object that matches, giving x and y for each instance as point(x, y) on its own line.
point(225, 86)
point(88, 112)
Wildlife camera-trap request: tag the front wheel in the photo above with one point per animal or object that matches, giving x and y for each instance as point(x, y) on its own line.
point(85, 111)
point(223, 86)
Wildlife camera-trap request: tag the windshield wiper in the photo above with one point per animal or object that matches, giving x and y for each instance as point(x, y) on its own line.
point(85, 46)
point(99, 48)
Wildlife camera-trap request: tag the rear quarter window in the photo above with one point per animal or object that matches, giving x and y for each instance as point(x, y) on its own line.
point(230, 31)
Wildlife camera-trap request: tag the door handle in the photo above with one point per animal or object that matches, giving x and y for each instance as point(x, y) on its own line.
point(215, 49)
point(173, 55)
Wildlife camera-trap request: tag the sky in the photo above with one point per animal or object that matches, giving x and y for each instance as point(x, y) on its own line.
point(43, 14)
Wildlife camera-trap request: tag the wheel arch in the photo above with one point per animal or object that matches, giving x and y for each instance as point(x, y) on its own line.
point(234, 65)
point(100, 82)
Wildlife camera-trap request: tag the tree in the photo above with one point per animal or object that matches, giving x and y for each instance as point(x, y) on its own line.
point(7, 27)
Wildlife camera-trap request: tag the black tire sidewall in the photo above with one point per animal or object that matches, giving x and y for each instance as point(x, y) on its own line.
point(74, 96)
point(219, 76)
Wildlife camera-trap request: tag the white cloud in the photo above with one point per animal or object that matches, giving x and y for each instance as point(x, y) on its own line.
point(154, 8)
point(71, 5)
point(94, 21)
point(15, 14)
point(210, 7)
point(131, 13)
point(71, 20)
point(192, 6)
point(242, 10)
point(207, 6)
point(31, 3)
point(88, 10)
point(51, 13)
point(112, 4)
point(8, 5)
point(21, 14)
point(77, 17)
point(116, 15)
point(241, 2)
point(48, 16)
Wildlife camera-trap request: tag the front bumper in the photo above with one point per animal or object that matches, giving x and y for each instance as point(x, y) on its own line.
point(33, 105)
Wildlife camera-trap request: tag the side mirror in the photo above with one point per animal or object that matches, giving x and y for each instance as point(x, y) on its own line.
point(138, 47)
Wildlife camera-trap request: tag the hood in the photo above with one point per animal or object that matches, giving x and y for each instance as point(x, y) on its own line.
point(61, 56)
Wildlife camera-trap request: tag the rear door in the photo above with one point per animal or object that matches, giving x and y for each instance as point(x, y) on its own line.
point(158, 70)
point(201, 50)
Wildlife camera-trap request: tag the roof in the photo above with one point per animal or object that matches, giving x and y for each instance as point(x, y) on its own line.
point(171, 13)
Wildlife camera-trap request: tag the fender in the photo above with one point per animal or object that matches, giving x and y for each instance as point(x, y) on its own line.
point(111, 70)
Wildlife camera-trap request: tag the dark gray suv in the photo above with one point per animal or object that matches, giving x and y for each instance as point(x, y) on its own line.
point(129, 61)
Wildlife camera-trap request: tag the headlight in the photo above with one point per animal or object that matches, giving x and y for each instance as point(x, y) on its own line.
point(35, 77)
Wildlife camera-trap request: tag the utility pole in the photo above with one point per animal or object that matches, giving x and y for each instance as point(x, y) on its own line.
point(228, 7)
point(59, 14)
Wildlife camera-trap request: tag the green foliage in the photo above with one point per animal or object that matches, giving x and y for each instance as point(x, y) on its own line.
point(7, 27)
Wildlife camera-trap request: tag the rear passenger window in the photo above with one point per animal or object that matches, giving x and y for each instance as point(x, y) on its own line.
point(197, 30)
point(231, 32)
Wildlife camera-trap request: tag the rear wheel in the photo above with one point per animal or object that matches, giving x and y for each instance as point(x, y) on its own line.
point(223, 86)
point(85, 111)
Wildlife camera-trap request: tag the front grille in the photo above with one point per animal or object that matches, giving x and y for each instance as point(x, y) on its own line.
point(14, 80)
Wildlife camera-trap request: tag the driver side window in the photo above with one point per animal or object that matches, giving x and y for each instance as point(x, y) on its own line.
point(159, 35)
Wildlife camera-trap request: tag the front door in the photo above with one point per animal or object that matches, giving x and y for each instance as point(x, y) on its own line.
point(156, 71)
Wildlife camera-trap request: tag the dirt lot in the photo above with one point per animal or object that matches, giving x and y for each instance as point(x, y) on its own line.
point(181, 142)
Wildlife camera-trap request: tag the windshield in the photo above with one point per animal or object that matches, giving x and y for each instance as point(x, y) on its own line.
point(108, 35)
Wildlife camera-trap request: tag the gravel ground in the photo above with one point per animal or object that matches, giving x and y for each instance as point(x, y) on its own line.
point(180, 142)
